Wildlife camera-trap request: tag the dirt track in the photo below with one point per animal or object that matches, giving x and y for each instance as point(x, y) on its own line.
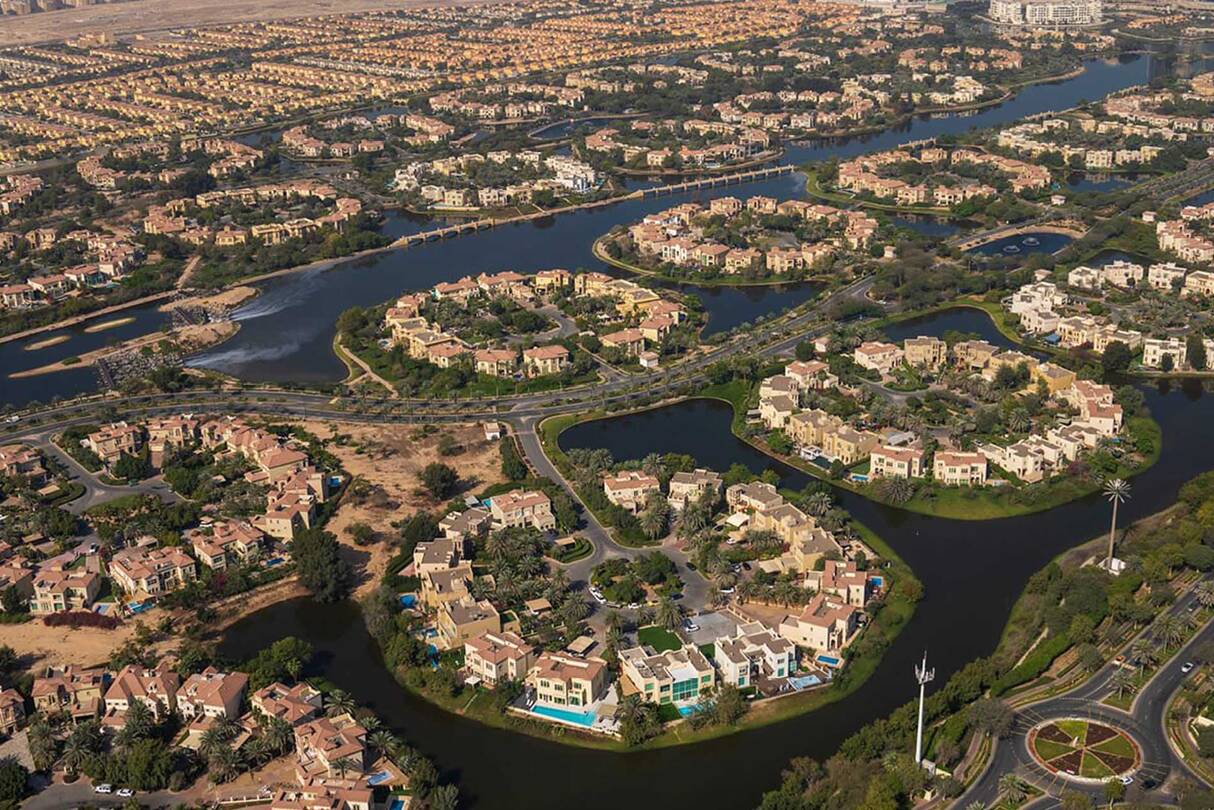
point(142, 16)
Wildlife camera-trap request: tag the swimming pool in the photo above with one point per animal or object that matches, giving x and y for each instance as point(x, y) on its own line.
point(688, 711)
point(378, 778)
point(585, 719)
point(804, 682)
point(828, 660)
point(408, 600)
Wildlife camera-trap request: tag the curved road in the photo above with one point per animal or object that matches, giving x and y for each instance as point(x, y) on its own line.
point(1161, 767)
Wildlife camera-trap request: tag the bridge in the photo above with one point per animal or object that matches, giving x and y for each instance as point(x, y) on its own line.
point(721, 180)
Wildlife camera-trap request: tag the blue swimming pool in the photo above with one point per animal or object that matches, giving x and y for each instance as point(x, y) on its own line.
point(828, 660)
point(378, 778)
point(397, 803)
point(408, 600)
point(688, 711)
point(804, 682)
point(565, 716)
point(139, 607)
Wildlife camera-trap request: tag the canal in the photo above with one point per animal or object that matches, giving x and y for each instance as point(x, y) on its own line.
point(287, 332)
point(972, 574)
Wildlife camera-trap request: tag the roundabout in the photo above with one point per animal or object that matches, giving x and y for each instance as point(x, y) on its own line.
point(1084, 750)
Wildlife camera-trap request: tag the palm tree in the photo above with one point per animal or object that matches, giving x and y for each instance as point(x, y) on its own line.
point(371, 723)
point(668, 614)
point(1011, 787)
point(1172, 628)
point(818, 503)
point(1205, 593)
point(346, 764)
point(1120, 681)
point(213, 739)
point(383, 740)
point(223, 764)
point(75, 754)
point(278, 735)
point(1018, 420)
point(340, 702)
point(1142, 651)
point(1116, 491)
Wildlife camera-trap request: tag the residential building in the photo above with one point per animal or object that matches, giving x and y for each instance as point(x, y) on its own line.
point(630, 489)
point(756, 652)
point(70, 689)
point(878, 356)
point(825, 624)
point(562, 681)
point(895, 462)
point(58, 591)
point(461, 619)
point(522, 508)
point(326, 744)
point(226, 543)
point(212, 694)
point(673, 676)
point(148, 572)
point(293, 705)
point(498, 657)
point(956, 468)
point(156, 688)
point(689, 487)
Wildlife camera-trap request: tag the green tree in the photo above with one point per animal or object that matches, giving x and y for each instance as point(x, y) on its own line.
point(1195, 352)
point(14, 779)
point(439, 480)
point(321, 567)
point(1116, 357)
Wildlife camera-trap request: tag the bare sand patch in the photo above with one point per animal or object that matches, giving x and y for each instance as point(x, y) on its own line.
point(226, 299)
point(185, 339)
point(390, 458)
point(46, 343)
point(104, 325)
point(86, 646)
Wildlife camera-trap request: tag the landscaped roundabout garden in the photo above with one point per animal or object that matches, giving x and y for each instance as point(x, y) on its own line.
point(1084, 749)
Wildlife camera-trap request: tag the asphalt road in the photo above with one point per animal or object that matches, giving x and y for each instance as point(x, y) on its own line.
point(1161, 767)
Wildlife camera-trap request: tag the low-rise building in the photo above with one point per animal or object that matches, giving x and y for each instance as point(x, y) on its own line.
point(522, 508)
point(673, 676)
point(563, 681)
point(148, 572)
point(689, 487)
point(754, 653)
point(294, 705)
point(956, 468)
point(630, 489)
point(498, 657)
point(825, 624)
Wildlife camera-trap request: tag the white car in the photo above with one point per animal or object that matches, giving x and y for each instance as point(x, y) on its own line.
point(1126, 780)
point(1187, 667)
point(125, 793)
point(103, 789)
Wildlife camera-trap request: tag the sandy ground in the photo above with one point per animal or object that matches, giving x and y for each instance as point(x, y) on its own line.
point(221, 300)
point(391, 459)
point(190, 338)
point(104, 325)
point(61, 645)
point(158, 15)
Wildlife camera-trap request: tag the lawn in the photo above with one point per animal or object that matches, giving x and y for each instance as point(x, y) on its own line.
point(1075, 729)
point(1048, 749)
point(659, 638)
point(1093, 768)
point(1118, 745)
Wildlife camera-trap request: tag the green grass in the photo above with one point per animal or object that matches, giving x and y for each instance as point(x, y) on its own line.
point(1075, 729)
point(659, 638)
point(1048, 749)
point(1118, 745)
point(581, 549)
point(1093, 768)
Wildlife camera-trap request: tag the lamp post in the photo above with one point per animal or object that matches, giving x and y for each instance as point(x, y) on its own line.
point(924, 676)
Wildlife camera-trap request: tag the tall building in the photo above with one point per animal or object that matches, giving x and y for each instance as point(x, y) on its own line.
point(1046, 13)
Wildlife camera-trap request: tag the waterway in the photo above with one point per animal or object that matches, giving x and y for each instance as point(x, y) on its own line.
point(286, 333)
point(972, 575)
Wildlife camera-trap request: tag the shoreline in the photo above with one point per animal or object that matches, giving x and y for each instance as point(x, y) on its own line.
point(596, 249)
point(197, 338)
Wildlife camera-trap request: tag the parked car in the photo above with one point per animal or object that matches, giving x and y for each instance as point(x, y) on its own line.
point(107, 788)
point(1126, 780)
point(690, 626)
point(1187, 667)
point(125, 793)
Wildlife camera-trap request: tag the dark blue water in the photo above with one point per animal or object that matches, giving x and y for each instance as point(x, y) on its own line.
point(1020, 245)
point(928, 226)
point(966, 320)
point(1086, 181)
point(287, 332)
point(972, 574)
